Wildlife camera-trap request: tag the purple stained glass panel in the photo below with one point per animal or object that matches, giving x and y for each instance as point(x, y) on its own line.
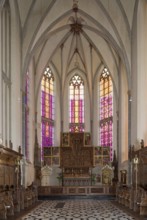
point(47, 134)
point(47, 102)
point(106, 110)
point(76, 103)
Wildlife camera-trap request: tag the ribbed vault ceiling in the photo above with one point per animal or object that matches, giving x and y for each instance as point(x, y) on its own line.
point(76, 35)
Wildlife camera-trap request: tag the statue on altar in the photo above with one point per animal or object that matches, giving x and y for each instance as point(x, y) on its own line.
point(123, 177)
point(142, 143)
point(115, 168)
point(107, 174)
point(46, 172)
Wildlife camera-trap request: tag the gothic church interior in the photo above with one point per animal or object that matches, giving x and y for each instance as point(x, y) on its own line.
point(72, 101)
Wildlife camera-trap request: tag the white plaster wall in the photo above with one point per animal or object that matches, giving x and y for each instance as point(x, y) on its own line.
point(134, 82)
point(5, 74)
point(57, 106)
point(46, 54)
point(123, 116)
point(16, 92)
point(29, 163)
point(29, 174)
point(142, 72)
point(38, 106)
point(0, 75)
point(95, 108)
point(115, 118)
point(31, 112)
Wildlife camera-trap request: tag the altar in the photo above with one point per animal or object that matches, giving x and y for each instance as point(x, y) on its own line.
point(79, 181)
point(76, 160)
point(76, 163)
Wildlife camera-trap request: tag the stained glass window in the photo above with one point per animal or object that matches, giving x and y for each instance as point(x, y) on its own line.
point(47, 110)
point(27, 85)
point(76, 104)
point(106, 110)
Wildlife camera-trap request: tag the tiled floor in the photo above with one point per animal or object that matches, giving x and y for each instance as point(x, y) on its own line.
point(78, 210)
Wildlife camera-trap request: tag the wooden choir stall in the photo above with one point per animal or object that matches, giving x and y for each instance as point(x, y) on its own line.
point(13, 196)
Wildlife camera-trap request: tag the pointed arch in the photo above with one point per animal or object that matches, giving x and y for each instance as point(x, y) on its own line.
point(76, 104)
point(106, 110)
point(47, 108)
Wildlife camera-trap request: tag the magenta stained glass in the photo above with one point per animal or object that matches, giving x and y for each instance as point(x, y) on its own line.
point(76, 104)
point(106, 110)
point(47, 110)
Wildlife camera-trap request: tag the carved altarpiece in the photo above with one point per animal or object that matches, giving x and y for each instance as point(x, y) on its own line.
point(76, 160)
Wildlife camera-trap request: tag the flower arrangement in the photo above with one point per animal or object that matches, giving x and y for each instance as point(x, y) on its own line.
point(93, 178)
point(60, 177)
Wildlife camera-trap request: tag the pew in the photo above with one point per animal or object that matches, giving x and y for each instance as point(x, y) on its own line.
point(3, 212)
point(8, 202)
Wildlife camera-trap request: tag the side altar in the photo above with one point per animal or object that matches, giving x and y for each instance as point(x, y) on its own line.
point(76, 159)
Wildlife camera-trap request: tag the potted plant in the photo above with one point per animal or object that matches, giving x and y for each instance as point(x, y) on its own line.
point(60, 178)
point(93, 179)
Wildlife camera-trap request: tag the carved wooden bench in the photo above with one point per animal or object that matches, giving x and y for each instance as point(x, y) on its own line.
point(143, 206)
point(120, 196)
point(138, 195)
point(3, 211)
point(28, 198)
point(131, 198)
point(8, 202)
point(127, 197)
point(16, 200)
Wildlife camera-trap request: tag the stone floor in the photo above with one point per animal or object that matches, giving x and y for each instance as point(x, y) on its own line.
point(86, 209)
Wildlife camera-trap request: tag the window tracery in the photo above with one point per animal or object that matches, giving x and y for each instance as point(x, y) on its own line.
point(47, 110)
point(106, 110)
point(76, 104)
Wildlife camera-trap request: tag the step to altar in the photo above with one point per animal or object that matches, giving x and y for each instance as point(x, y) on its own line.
point(76, 190)
point(76, 197)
